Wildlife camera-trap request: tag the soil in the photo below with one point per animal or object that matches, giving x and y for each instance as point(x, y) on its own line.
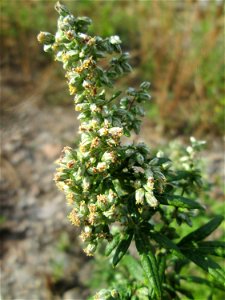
point(41, 257)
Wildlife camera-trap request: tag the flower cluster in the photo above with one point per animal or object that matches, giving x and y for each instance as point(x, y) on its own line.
point(118, 192)
point(105, 182)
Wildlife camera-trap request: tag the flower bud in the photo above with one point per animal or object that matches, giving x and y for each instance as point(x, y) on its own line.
point(45, 38)
point(115, 40)
point(81, 106)
point(151, 200)
point(90, 249)
point(116, 131)
point(139, 196)
point(74, 218)
point(94, 123)
point(140, 158)
point(86, 84)
point(86, 235)
point(103, 131)
point(86, 183)
point(137, 184)
point(103, 295)
point(101, 166)
point(115, 293)
point(110, 213)
point(102, 202)
point(111, 196)
point(109, 157)
point(83, 209)
point(61, 9)
point(150, 183)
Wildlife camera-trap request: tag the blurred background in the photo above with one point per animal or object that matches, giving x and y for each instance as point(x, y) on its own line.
point(177, 45)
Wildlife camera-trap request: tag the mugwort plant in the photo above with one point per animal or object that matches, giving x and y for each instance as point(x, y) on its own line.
point(122, 195)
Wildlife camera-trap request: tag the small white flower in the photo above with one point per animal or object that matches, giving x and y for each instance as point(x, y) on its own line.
point(184, 158)
point(115, 40)
point(79, 107)
point(101, 166)
point(107, 123)
point(160, 154)
point(111, 196)
point(150, 183)
point(83, 36)
point(103, 131)
point(94, 123)
point(86, 183)
point(86, 84)
point(193, 139)
point(94, 108)
point(137, 184)
point(90, 249)
point(116, 131)
point(190, 149)
point(109, 157)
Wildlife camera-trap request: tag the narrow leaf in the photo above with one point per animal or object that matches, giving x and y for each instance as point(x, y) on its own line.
point(114, 96)
point(122, 249)
point(207, 265)
point(185, 292)
point(134, 267)
point(149, 264)
point(162, 267)
point(166, 243)
point(212, 248)
point(179, 201)
point(202, 232)
point(112, 245)
point(199, 280)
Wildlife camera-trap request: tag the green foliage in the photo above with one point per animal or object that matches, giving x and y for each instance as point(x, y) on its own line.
point(119, 193)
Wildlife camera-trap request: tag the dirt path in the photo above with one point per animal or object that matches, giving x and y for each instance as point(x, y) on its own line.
point(38, 243)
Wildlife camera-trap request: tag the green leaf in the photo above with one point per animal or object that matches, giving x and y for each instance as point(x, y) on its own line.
point(61, 9)
point(133, 266)
point(162, 266)
point(122, 248)
point(185, 292)
point(114, 96)
point(202, 232)
point(199, 280)
point(166, 243)
point(207, 265)
point(149, 264)
point(179, 201)
point(112, 245)
point(145, 85)
point(216, 248)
